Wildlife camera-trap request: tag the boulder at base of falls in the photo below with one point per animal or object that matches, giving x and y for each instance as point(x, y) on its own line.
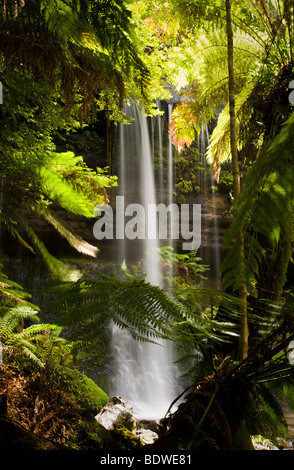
point(117, 412)
point(146, 436)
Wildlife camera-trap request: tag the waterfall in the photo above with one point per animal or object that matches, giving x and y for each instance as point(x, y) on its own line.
point(170, 197)
point(210, 237)
point(160, 150)
point(152, 265)
point(216, 243)
point(170, 161)
point(143, 373)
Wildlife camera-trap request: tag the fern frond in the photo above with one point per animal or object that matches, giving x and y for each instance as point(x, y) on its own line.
point(58, 269)
point(12, 318)
point(147, 311)
point(219, 150)
point(56, 188)
point(74, 240)
point(32, 331)
point(112, 22)
point(264, 209)
point(12, 294)
point(31, 356)
point(209, 51)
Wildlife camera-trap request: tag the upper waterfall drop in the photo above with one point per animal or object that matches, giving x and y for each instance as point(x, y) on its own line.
point(148, 196)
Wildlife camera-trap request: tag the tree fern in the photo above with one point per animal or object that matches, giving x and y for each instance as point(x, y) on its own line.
point(264, 210)
point(89, 43)
point(219, 151)
point(112, 22)
point(266, 415)
point(209, 52)
point(263, 51)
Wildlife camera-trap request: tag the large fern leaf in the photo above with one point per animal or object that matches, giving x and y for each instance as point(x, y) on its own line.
point(147, 311)
point(264, 209)
point(74, 240)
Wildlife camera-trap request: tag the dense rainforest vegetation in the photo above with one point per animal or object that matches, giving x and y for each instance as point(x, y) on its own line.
point(66, 68)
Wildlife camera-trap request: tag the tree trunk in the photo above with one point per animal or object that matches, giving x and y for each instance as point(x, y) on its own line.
point(3, 405)
point(243, 339)
point(110, 141)
point(243, 331)
point(233, 120)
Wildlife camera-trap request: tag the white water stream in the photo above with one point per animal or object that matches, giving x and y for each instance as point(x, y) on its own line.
point(143, 373)
point(210, 236)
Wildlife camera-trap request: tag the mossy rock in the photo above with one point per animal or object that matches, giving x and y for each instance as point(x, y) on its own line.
point(90, 435)
point(125, 439)
point(88, 394)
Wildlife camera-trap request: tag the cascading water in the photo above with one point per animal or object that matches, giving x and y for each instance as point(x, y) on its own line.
point(143, 373)
point(216, 238)
point(159, 120)
point(211, 233)
point(170, 198)
point(170, 162)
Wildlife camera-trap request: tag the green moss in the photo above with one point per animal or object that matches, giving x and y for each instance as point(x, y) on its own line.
point(126, 439)
point(88, 394)
point(90, 435)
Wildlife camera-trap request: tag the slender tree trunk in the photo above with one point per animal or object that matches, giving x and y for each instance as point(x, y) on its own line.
point(243, 331)
point(110, 140)
point(233, 120)
point(243, 338)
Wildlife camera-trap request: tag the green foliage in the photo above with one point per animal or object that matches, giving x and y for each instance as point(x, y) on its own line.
point(266, 415)
point(87, 393)
point(127, 440)
point(60, 61)
point(112, 22)
point(264, 213)
point(219, 150)
point(187, 267)
point(148, 312)
point(144, 309)
point(33, 173)
point(205, 50)
point(57, 268)
point(12, 294)
point(89, 46)
point(190, 170)
point(91, 435)
point(22, 336)
point(37, 347)
point(263, 51)
point(77, 188)
point(49, 85)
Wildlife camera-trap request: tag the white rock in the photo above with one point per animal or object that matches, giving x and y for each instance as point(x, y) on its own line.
point(116, 412)
point(146, 436)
